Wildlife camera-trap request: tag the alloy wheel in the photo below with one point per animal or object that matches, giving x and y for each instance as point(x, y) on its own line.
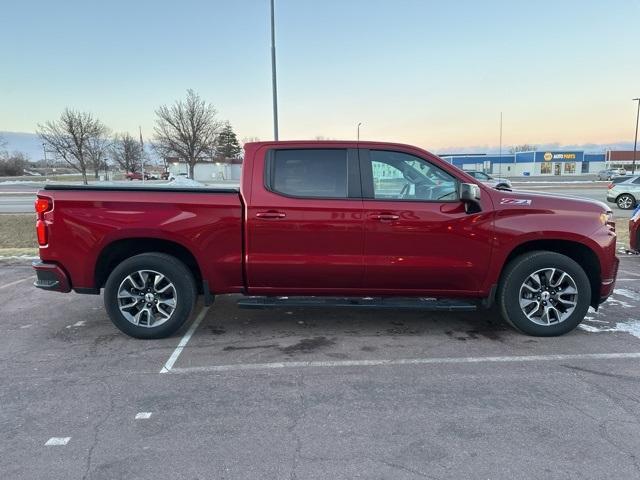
point(548, 296)
point(147, 298)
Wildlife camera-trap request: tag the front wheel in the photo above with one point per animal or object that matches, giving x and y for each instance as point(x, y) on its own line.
point(150, 295)
point(544, 294)
point(625, 201)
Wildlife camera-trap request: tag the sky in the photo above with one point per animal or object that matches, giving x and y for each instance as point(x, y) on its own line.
point(430, 73)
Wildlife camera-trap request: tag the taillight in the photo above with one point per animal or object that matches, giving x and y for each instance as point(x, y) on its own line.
point(41, 230)
point(611, 185)
point(42, 205)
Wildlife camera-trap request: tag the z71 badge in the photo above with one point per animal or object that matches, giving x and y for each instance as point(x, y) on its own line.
point(515, 201)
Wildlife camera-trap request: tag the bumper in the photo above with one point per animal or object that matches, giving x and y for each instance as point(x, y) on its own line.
point(611, 199)
point(51, 277)
point(608, 284)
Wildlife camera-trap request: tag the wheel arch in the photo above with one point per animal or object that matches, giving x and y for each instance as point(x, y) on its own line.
point(579, 252)
point(119, 250)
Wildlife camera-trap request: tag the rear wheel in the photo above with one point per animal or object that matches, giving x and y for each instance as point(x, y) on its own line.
point(150, 295)
point(626, 201)
point(544, 294)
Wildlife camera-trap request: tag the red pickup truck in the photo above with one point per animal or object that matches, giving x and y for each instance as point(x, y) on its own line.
point(365, 224)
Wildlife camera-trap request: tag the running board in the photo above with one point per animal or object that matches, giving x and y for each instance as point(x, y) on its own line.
point(432, 304)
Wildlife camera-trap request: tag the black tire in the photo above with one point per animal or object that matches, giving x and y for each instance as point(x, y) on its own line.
point(515, 274)
point(174, 271)
point(626, 201)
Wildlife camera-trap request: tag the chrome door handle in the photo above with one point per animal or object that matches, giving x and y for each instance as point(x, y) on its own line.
point(386, 216)
point(271, 215)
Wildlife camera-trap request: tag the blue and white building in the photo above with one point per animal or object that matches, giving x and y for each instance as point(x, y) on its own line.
point(549, 162)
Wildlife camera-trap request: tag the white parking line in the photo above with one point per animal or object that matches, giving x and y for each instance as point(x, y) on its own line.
point(6, 285)
point(406, 361)
point(143, 415)
point(183, 342)
point(57, 441)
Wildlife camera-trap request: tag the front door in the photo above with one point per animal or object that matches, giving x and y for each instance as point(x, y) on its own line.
point(557, 169)
point(305, 224)
point(418, 237)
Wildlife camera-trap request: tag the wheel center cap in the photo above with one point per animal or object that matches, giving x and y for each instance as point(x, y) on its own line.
point(149, 297)
point(545, 296)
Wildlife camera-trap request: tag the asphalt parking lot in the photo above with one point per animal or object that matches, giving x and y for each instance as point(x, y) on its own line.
point(315, 393)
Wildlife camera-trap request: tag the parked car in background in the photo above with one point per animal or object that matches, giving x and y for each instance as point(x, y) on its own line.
point(138, 176)
point(610, 173)
point(634, 230)
point(172, 177)
point(625, 193)
point(487, 179)
point(134, 176)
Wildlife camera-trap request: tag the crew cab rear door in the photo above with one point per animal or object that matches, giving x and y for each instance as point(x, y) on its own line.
point(305, 228)
point(418, 236)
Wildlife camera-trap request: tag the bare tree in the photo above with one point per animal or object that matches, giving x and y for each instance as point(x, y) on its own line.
point(187, 130)
point(127, 152)
point(70, 138)
point(13, 164)
point(97, 152)
point(249, 140)
point(523, 148)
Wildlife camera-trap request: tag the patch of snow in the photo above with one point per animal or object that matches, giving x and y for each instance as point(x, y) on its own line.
point(593, 320)
point(589, 328)
point(615, 301)
point(20, 182)
point(80, 323)
point(181, 181)
point(627, 293)
point(632, 327)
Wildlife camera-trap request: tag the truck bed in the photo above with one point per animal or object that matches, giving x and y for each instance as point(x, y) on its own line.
point(90, 227)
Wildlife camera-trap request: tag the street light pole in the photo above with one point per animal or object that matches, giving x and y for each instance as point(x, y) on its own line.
point(274, 85)
point(358, 134)
point(635, 142)
point(44, 150)
point(500, 166)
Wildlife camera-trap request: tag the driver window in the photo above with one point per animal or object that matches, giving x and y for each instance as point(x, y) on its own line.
point(400, 176)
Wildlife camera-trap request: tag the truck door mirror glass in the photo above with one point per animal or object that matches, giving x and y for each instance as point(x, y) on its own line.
point(469, 193)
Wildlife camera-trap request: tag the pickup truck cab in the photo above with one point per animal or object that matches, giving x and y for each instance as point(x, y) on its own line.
point(329, 221)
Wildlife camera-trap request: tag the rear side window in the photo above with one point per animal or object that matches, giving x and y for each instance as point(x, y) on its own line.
point(309, 173)
point(637, 181)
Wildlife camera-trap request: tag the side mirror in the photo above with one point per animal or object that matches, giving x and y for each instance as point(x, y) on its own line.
point(469, 193)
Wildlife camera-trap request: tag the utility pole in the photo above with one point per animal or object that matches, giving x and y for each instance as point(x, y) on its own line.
point(44, 150)
point(141, 153)
point(500, 168)
point(274, 85)
point(635, 142)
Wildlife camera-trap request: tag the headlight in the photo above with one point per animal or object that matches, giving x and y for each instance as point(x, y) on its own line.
point(607, 219)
